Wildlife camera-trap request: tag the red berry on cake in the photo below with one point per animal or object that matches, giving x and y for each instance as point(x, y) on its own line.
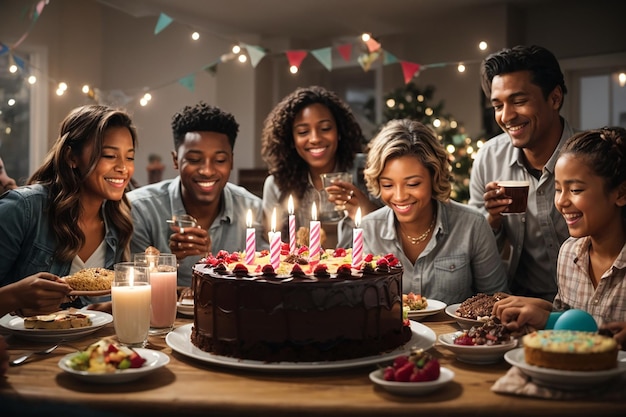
point(368, 258)
point(339, 252)
point(240, 269)
point(268, 270)
point(344, 269)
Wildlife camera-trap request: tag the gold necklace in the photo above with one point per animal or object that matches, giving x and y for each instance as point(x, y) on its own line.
point(423, 236)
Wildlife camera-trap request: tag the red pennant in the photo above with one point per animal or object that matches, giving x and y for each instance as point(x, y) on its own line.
point(345, 51)
point(409, 69)
point(295, 57)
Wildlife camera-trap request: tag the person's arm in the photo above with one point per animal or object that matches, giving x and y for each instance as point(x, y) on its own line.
point(618, 330)
point(41, 293)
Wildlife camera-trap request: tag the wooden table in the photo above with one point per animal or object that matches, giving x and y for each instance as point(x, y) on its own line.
point(190, 387)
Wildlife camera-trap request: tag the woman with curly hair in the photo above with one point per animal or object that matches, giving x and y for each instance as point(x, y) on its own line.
point(309, 133)
point(447, 249)
point(73, 214)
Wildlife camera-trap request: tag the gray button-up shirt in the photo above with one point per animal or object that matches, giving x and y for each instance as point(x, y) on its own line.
point(153, 204)
point(460, 259)
point(535, 236)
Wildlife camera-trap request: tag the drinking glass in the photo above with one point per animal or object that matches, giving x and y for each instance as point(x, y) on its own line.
point(163, 280)
point(328, 210)
point(131, 299)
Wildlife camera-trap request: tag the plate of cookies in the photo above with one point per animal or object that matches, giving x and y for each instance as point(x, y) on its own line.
point(65, 324)
point(91, 282)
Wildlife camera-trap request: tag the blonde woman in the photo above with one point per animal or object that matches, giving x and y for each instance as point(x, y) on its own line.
point(447, 249)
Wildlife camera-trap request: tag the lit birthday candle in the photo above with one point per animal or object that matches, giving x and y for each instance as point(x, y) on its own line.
point(357, 240)
point(292, 226)
point(314, 234)
point(250, 239)
point(274, 243)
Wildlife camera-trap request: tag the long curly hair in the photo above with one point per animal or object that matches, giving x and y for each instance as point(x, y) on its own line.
point(278, 146)
point(82, 126)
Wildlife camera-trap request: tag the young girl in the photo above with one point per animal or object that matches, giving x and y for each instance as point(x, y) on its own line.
point(447, 249)
point(590, 185)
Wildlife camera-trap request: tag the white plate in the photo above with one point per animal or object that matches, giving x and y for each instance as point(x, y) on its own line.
point(185, 309)
point(15, 325)
point(180, 341)
point(465, 324)
point(433, 307)
point(154, 360)
point(412, 388)
point(567, 380)
point(478, 354)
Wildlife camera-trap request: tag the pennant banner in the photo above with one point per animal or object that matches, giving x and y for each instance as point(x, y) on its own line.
point(296, 57)
point(372, 45)
point(3, 49)
point(163, 22)
point(39, 9)
point(255, 53)
point(324, 56)
point(409, 69)
point(189, 82)
point(345, 51)
point(366, 60)
point(389, 58)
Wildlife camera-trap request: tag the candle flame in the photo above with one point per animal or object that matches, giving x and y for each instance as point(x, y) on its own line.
point(290, 204)
point(274, 220)
point(357, 218)
point(314, 212)
point(249, 219)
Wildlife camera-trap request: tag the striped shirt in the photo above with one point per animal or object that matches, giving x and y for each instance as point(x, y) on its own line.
point(605, 303)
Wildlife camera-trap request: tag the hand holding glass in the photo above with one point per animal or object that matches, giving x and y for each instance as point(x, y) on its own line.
point(131, 300)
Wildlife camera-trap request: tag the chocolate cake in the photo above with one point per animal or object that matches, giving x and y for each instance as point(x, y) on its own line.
point(322, 312)
point(480, 306)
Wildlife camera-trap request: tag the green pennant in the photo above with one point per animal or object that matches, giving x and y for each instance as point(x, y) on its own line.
point(163, 22)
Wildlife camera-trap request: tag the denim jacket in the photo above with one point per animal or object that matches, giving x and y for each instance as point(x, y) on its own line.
point(27, 243)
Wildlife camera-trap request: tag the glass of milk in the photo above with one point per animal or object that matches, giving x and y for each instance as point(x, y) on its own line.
point(131, 297)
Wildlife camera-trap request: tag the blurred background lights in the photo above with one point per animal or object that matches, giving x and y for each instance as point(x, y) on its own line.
point(143, 101)
point(365, 37)
point(11, 102)
point(622, 79)
point(13, 68)
point(461, 68)
point(85, 89)
point(242, 58)
point(390, 103)
point(195, 36)
point(32, 79)
point(236, 49)
point(482, 45)
point(293, 69)
point(61, 88)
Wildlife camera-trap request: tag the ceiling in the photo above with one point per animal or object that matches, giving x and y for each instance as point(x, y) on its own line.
point(301, 19)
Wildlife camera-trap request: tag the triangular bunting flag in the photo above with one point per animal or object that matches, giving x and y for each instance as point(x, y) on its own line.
point(345, 51)
point(296, 57)
point(324, 56)
point(366, 60)
point(3, 49)
point(372, 45)
point(389, 58)
point(211, 68)
point(409, 69)
point(163, 22)
point(39, 9)
point(255, 53)
point(189, 82)
point(18, 61)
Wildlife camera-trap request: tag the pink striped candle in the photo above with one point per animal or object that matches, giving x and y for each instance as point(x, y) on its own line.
point(275, 243)
point(250, 240)
point(357, 240)
point(314, 234)
point(292, 226)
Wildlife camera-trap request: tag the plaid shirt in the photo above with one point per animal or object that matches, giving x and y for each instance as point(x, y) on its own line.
point(605, 303)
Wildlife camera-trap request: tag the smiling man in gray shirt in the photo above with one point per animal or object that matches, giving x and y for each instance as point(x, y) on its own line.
point(525, 86)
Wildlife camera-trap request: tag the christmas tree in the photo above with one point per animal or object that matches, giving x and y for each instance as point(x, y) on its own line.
point(411, 102)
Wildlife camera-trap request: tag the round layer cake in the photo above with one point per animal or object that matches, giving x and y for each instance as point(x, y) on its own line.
point(570, 350)
point(307, 312)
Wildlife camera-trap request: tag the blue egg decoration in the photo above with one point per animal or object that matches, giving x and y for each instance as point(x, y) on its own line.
point(577, 320)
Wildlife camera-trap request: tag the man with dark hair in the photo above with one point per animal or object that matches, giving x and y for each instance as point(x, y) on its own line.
point(525, 86)
point(204, 138)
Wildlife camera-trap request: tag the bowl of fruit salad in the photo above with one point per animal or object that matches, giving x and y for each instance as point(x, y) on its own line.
point(415, 374)
point(108, 362)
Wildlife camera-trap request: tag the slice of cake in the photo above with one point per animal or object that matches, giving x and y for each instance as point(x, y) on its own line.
point(570, 350)
point(480, 306)
point(58, 321)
